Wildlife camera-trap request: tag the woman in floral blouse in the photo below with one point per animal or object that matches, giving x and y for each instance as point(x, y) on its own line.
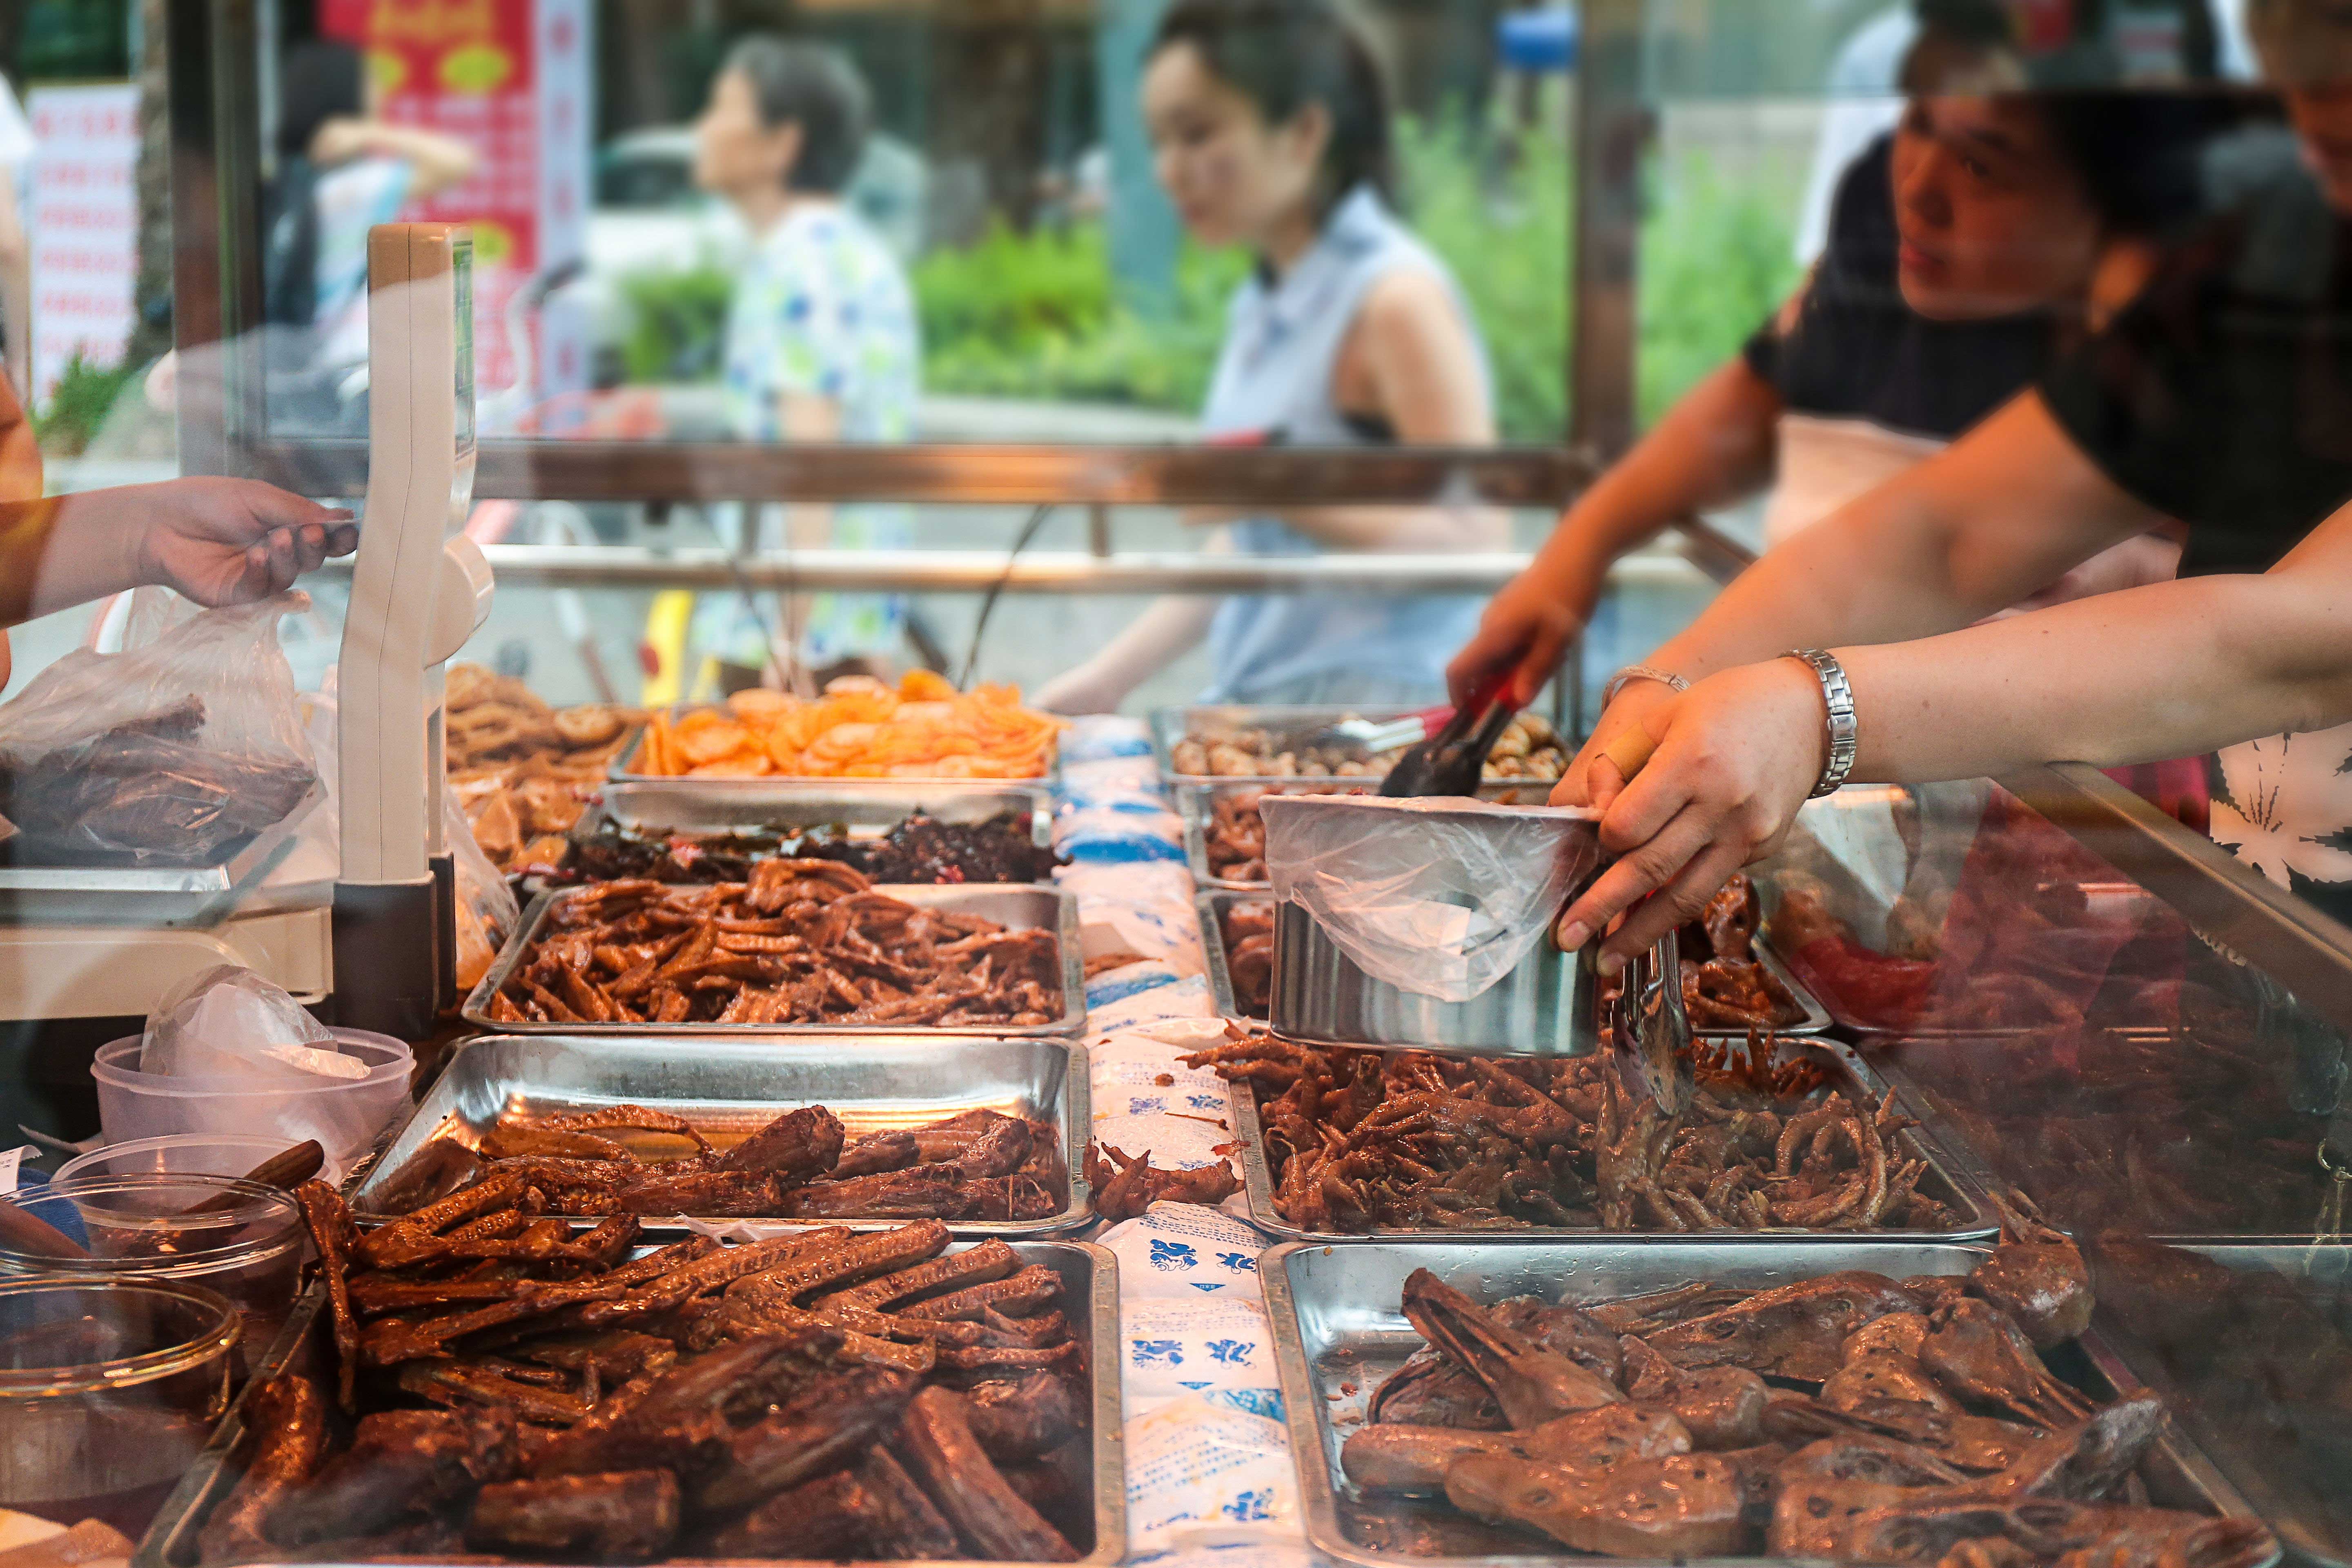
point(822, 343)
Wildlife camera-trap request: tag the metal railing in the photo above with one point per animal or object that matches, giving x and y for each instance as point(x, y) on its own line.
point(707, 568)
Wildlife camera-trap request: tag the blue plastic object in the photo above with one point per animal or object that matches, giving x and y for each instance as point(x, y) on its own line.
point(1542, 40)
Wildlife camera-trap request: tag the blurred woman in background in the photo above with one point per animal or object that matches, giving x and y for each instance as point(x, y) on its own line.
point(822, 342)
point(343, 168)
point(1269, 125)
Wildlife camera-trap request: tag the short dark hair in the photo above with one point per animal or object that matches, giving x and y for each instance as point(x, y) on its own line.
point(1284, 55)
point(320, 79)
point(816, 88)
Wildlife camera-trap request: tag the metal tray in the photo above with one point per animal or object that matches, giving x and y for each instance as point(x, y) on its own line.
point(1947, 1181)
point(729, 1088)
point(149, 895)
point(2325, 1269)
point(1337, 1336)
point(1023, 906)
point(787, 788)
point(1191, 791)
point(1211, 902)
point(1091, 1294)
point(1533, 1010)
point(737, 806)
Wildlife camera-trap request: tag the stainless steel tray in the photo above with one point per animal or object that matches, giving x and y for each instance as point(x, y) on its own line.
point(2265, 1472)
point(1023, 906)
point(149, 895)
point(1211, 902)
point(1946, 1181)
point(1091, 1294)
point(785, 788)
point(736, 806)
point(1533, 1010)
point(1191, 791)
point(729, 1089)
point(1337, 1336)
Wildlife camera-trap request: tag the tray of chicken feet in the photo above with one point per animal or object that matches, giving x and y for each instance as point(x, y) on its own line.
point(1686, 1401)
point(886, 1395)
point(983, 1134)
point(715, 830)
point(1732, 983)
point(1779, 1136)
point(797, 945)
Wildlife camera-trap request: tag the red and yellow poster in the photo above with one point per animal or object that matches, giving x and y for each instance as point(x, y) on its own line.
point(510, 78)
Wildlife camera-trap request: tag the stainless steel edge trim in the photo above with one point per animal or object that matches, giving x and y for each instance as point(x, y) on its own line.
point(1072, 1023)
point(1165, 474)
point(1671, 1261)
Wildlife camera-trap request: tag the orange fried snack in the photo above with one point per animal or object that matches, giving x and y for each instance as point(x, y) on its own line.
point(858, 728)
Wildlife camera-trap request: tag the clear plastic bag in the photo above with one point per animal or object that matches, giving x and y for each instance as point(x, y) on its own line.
point(228, 1022)
point(170, 754)
point(1439, 897)
point(486, 912)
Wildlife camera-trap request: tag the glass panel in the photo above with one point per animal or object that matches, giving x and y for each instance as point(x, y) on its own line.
point(2163, 1100)
point(885, 226)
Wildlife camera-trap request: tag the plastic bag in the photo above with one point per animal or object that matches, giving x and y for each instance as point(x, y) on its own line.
point(1172, 1346)
point(228, 1022)
point(174, 754)
point(1440, 897)
point(1185, 1251)
point(486, 912)
point(1212, 1471)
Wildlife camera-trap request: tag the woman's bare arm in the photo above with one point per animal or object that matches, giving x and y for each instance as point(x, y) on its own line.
point(1410, 353)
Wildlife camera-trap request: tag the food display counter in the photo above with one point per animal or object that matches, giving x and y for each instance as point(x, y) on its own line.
point(2029, 1251)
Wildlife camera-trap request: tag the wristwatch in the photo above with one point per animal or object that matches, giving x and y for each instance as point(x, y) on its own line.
point(1634, 672)
point(1837, 696)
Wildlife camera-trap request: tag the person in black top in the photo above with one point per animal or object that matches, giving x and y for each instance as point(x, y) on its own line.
point(1963, 249)
point(2217, 405)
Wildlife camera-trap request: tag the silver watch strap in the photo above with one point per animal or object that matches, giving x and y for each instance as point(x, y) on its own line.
point(1837, 696)
point(1634, 672)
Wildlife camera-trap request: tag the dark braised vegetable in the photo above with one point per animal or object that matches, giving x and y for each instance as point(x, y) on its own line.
point(920, 850)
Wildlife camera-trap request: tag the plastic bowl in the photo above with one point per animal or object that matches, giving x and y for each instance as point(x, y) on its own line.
point(345, 1115)
point(177, 1154)
point(240, 1238)
point(109, 1389)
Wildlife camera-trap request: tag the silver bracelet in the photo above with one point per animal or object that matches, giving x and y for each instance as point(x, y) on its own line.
point(1844, 733)
point(1634, 672)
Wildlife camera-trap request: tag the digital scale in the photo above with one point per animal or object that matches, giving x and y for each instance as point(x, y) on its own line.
point(370, 942)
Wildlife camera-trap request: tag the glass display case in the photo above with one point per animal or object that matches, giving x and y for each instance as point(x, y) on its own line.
point(2097, 1009)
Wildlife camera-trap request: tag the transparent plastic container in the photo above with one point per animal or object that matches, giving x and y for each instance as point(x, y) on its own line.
point(109, 1389)
point(345, 1115)
point(178, 1154)
point(238, 1238)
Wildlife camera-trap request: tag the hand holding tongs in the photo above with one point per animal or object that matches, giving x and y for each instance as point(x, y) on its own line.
point(1454, 761)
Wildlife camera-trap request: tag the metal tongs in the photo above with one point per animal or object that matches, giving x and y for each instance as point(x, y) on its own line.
point(1454, 761)
point(1650, 1035)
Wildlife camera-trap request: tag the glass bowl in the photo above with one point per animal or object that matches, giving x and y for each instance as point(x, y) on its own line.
point(109, 1389)
point(240, 1238)
point(178, 1154)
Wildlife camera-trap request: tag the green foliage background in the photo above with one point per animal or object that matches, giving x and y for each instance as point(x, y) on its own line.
point(1035, 315)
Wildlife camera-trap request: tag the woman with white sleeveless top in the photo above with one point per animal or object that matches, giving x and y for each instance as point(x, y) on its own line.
point(1269, 128)
point(1990, 229)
